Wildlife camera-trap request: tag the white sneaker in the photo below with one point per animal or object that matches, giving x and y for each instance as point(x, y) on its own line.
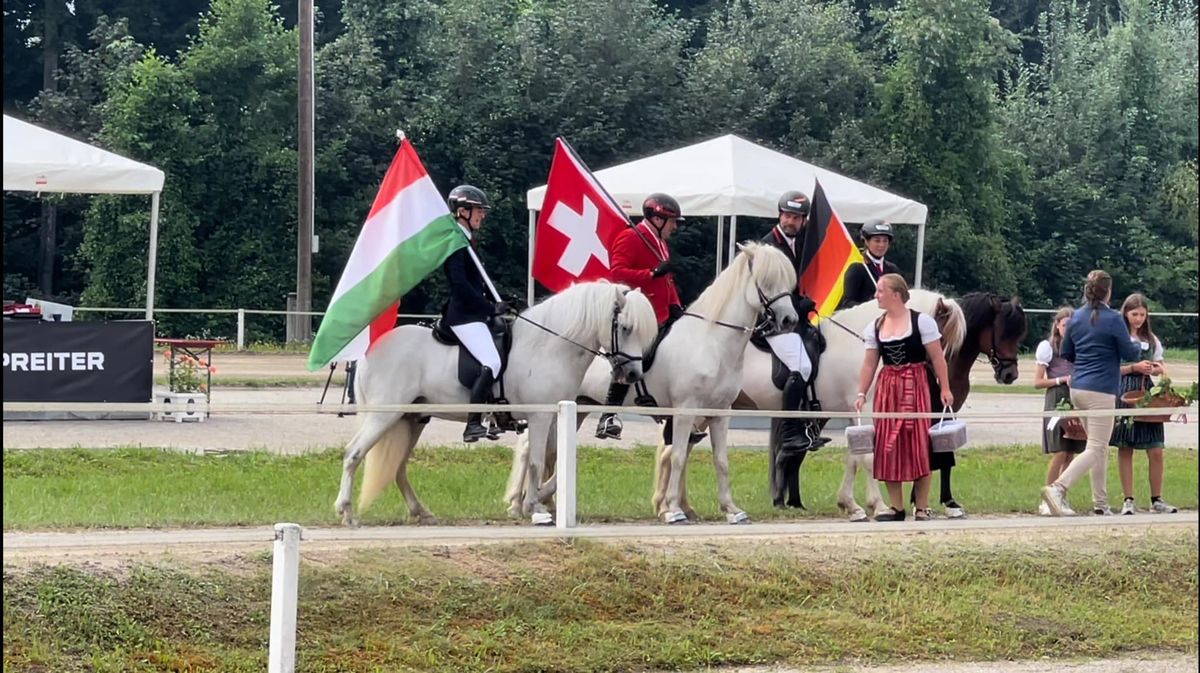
point(1102, 511)
point(1067, 511)
point(1129, 507)
point(1053, 497)
point(1044, 509)
point(1161, 507)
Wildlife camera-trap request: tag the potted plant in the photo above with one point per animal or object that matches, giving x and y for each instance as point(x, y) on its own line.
point(1162, 395)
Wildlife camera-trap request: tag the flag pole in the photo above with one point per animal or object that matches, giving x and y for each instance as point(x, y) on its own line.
point(613, 202)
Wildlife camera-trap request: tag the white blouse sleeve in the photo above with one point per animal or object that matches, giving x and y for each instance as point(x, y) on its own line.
point(1158, 351)
point(870, 340)
point(928, 327)
point(1044, 353)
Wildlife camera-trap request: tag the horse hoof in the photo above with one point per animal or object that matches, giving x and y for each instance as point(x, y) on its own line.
point(542, 519)
point(738, 518)
point(858, 515)
point(514, 512)
point(427, 520)
point(675, 518)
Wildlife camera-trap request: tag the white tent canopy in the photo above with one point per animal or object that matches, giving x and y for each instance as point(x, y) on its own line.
point(733, 176)
point(40, 160)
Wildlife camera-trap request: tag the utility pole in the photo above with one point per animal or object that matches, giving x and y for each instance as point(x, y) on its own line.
point(304, 224)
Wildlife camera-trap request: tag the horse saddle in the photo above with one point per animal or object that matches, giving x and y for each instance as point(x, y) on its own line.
point(814, 344)
point(648, 356)
point(468, 367)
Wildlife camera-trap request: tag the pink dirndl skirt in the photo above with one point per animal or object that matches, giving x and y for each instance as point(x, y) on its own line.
point(902, 444)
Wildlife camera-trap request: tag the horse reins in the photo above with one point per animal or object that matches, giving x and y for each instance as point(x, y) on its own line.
point(768, 314)
point(615, 357)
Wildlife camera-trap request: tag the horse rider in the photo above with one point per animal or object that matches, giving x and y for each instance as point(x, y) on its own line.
point(640, 259)
point(796, 434)
point(470, 308)
point(860, 280)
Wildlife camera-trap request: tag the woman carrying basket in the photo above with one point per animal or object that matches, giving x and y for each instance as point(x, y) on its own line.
point(1128, 433)
point(905, 341)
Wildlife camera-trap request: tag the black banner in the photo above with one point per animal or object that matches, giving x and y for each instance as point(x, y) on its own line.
point(78, 361)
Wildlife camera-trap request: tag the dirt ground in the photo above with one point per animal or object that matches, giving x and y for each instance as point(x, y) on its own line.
point(298, 433)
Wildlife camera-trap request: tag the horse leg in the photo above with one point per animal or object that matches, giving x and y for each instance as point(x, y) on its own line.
point(874, 497)
point(684, 505)
point(845, 498)
point(514, 493)
point(538, 431)
point(718, 434)
point(682, 426)
point(372, 429)
point(415, 508)
point(662, 472)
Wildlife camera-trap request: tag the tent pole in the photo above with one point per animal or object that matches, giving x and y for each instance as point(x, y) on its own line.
point(732, 238)
point(529, 280)
point(920, 254)
point(150, 268)
point(720, 235)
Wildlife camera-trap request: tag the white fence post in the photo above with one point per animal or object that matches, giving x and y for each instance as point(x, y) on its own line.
point(241, 336)
point(285, 576)
point(564, 470)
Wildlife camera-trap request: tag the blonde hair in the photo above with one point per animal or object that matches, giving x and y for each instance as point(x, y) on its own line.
point(896, 283)
point(1135, 301)
point(1063, 313)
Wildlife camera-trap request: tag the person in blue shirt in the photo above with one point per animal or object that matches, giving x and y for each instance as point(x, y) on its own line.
point(1097, 340)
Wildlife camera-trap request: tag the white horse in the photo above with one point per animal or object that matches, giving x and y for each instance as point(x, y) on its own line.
point(407, 366)
point(696, 367)
point(837, 377)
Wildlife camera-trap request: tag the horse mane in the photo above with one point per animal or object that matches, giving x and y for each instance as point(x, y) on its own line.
point(770, 270)
point(856, 318)
point(980, 311)
point(584, 310)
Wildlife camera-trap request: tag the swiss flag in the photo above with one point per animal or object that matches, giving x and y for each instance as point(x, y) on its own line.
point(576, 226)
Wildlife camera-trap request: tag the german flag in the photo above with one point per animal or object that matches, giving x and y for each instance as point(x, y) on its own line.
point(827, 253)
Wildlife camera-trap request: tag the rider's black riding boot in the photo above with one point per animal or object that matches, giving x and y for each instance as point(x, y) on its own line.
point(610, 426)
point(792, 435)
point(480, 393)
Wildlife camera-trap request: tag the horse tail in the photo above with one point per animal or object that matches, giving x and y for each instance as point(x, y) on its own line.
point(955, 329)
point(383, 460)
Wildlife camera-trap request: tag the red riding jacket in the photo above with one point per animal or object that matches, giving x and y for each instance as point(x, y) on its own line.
point(632, 263)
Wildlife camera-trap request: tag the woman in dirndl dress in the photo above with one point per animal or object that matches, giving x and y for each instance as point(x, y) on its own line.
point(905, 341)
point(1053, 374)
point(1128, 434)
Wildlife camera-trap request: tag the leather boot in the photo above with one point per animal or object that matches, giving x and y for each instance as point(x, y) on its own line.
point(481, 392)
point(813, 426)
point(610, 426)
point(792, 435)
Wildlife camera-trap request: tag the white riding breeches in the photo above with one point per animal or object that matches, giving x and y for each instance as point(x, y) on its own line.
point(475, 337)
point(789, 348)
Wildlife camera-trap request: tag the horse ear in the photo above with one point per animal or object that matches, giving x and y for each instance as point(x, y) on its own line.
point(621, 298)
point(743, 247)
point(996, 303)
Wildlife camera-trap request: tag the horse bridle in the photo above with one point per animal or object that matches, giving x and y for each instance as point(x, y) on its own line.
point(614, 356)
point(998, 363)
point(766, 325)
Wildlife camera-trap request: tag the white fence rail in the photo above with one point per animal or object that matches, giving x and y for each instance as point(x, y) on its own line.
point(243, 312)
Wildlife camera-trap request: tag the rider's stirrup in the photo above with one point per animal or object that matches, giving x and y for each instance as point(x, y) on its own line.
point(609, 428)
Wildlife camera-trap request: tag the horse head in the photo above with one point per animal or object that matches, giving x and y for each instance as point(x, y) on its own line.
point(772, 281)
point(995, 327)
point(631, 333)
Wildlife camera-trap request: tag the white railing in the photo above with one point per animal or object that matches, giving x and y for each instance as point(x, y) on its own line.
point(243, 312)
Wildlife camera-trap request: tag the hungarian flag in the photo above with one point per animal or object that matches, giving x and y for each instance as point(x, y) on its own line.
point(408, 234)
point(577, 223)
point(828, 252)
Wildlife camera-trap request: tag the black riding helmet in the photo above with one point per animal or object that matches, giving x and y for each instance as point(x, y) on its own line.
point(466, 196)
point(877, 227)
point(661, 205)
point(794, 202)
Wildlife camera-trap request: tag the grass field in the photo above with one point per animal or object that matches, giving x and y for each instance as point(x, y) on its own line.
point(620, 607)
point(45, 489)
